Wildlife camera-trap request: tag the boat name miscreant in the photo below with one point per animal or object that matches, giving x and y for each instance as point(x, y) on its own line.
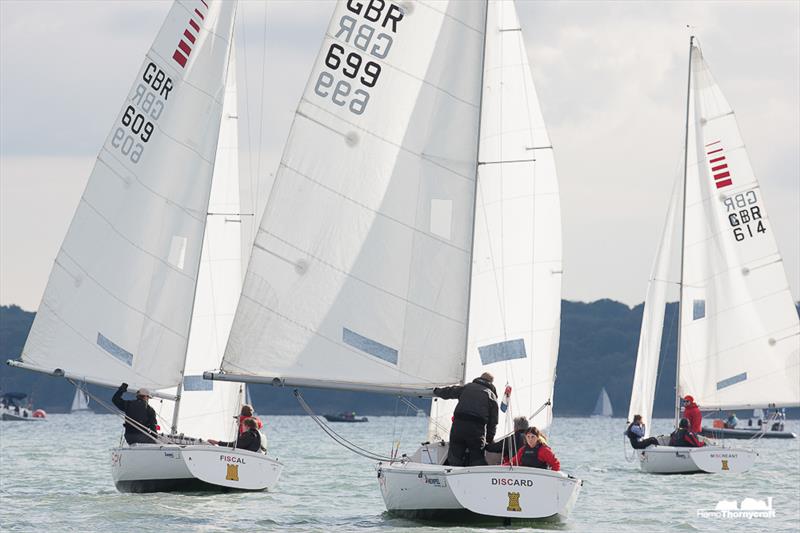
point(515, 482)
point(726, 455)
point(232, 459)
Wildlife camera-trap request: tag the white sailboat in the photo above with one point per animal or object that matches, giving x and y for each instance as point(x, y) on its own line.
point(602, 408)
point(145, 284)
point(738, 329)
point(412, 240)
point(80, 402)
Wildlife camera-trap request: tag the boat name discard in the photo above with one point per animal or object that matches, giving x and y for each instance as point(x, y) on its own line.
point(512, 482)
point(145, 106)
point(744, 215)
point(372, 38)
point(232, 459)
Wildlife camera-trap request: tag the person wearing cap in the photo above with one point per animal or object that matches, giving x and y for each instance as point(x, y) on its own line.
point(138, 412)
point(513, 443)
point(693, 414)
point(684, 437)
point(474, 420)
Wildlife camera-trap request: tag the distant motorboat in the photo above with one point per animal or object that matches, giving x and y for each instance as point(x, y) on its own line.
point(345, 417)
point(11, 410)
point(603, 409)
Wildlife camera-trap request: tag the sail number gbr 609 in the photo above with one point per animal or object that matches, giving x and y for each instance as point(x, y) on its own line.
point(137, 122)
point(349, 76)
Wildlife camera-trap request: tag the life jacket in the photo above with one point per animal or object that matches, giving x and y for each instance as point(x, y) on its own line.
point(530, 457)
point(243, 428)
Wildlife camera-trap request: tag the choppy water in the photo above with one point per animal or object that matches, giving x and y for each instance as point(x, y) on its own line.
point(55, 476)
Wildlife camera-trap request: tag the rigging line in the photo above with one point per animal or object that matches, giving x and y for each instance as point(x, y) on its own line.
point(261, 105)
point(409, 403)
point(250, 177)
point(335, 436)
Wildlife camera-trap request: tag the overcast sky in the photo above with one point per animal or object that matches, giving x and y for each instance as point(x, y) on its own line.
point(611, 77)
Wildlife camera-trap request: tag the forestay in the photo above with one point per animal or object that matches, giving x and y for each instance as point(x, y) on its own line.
point(360, 270)
point(741, 338)
point(207, 407)
point(516, 273)
point(652, 328)
point(119, 299)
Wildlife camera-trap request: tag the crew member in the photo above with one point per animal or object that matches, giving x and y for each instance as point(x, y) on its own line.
point(693, 414)
point(684, 437)
point(474, 420)
point(536, 453)
point(244, 414)
point(636, 432)
point(510, 445)
point(249, 440)
point(731, 421)
point(139, 417)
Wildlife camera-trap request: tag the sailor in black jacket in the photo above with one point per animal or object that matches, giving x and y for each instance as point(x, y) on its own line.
point(474, 420)
point(248, 440)
point(139, 412)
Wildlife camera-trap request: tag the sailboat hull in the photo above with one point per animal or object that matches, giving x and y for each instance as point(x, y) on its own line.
point(165, 468)
point(437, 491)
point(708, 459)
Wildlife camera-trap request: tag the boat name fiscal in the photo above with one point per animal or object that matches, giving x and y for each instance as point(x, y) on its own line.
point(366, 38)
point(509, 482)
point(232, 459)
point(744, 215)
point(146, 105)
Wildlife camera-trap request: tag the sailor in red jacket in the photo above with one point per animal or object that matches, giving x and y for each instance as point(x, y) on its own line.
point(247, 412)
point(693, 414)
point(536, 453)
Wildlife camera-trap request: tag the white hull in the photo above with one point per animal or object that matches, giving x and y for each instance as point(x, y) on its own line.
point(708, 459)
point(172, 467)
point(428, 490)
point(23, 415)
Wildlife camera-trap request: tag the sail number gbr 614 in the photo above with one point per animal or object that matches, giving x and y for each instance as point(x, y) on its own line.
point(744, 215)
point(146, 104)
point(349, 75)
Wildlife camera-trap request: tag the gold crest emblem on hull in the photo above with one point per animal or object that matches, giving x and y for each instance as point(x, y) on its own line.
point(233, 473)
point(725, 464)
point(513, 502)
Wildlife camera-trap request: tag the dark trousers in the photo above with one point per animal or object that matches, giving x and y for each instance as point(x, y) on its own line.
point(137, 437)
point(467, 440)
point(644, 443)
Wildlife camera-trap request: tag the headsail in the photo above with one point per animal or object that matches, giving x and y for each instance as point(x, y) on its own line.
point(741, 336)
point(119, 299)
point(516, 273)
point(207, 407)
point(360, 270)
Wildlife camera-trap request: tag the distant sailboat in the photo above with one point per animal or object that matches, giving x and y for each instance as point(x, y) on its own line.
point(738, 328)
point(80, 402)
point(602, 409)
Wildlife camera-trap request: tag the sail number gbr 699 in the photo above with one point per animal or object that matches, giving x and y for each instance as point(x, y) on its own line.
point(146, 104)
point(349, 75)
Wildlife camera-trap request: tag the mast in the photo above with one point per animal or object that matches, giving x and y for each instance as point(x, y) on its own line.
point(683, 235)
point(179, 391)
point(475, 195)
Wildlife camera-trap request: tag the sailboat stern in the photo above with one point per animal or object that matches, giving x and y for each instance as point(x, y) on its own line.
point(490, 491)
point(708, 459)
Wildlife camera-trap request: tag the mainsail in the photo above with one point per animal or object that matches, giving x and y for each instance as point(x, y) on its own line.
point(516, 273)
point(360, 272)
point(740, 339)
point(118, 303)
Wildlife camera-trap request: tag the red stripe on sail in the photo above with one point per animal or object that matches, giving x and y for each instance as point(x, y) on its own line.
point(723, 183)
point(722, 175)
point(720, 167)
point(716, 159)
point(179, 58)
point(711, 144)
point(189, 36)
point(185, 47)
point(202, 17)
point(715, 151)
point(194, 25)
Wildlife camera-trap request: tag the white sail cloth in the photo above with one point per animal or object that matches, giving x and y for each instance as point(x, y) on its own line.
point(360, 268)
point(118, 302)
point(207, 407)
point(740, 331)
point(516, 273)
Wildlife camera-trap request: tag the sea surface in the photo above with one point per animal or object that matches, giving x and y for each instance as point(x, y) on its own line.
point(55, 476)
